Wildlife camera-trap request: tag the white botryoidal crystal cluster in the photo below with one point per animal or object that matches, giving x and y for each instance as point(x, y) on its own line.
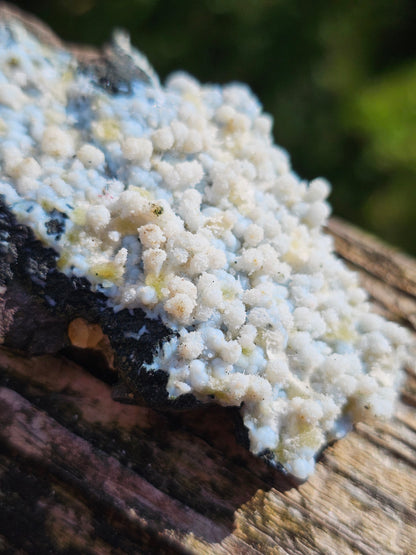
point(176, 200)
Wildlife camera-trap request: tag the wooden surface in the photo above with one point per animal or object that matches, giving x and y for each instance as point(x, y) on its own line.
point(81, 473)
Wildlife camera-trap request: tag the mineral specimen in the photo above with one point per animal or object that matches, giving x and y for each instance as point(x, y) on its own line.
point(167, 215)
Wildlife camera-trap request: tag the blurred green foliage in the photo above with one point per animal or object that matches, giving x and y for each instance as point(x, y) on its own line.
point(339, 78)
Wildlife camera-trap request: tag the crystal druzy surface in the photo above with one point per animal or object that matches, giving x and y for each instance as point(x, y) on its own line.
point(173, 203)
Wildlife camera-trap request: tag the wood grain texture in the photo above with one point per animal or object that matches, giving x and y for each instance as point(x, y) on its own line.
point(76, 464)
point(81, 473)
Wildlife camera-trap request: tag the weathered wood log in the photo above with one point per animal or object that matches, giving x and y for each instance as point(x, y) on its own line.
point(81, 473)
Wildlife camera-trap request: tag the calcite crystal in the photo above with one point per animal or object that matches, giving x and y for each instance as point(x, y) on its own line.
point(204, 251)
